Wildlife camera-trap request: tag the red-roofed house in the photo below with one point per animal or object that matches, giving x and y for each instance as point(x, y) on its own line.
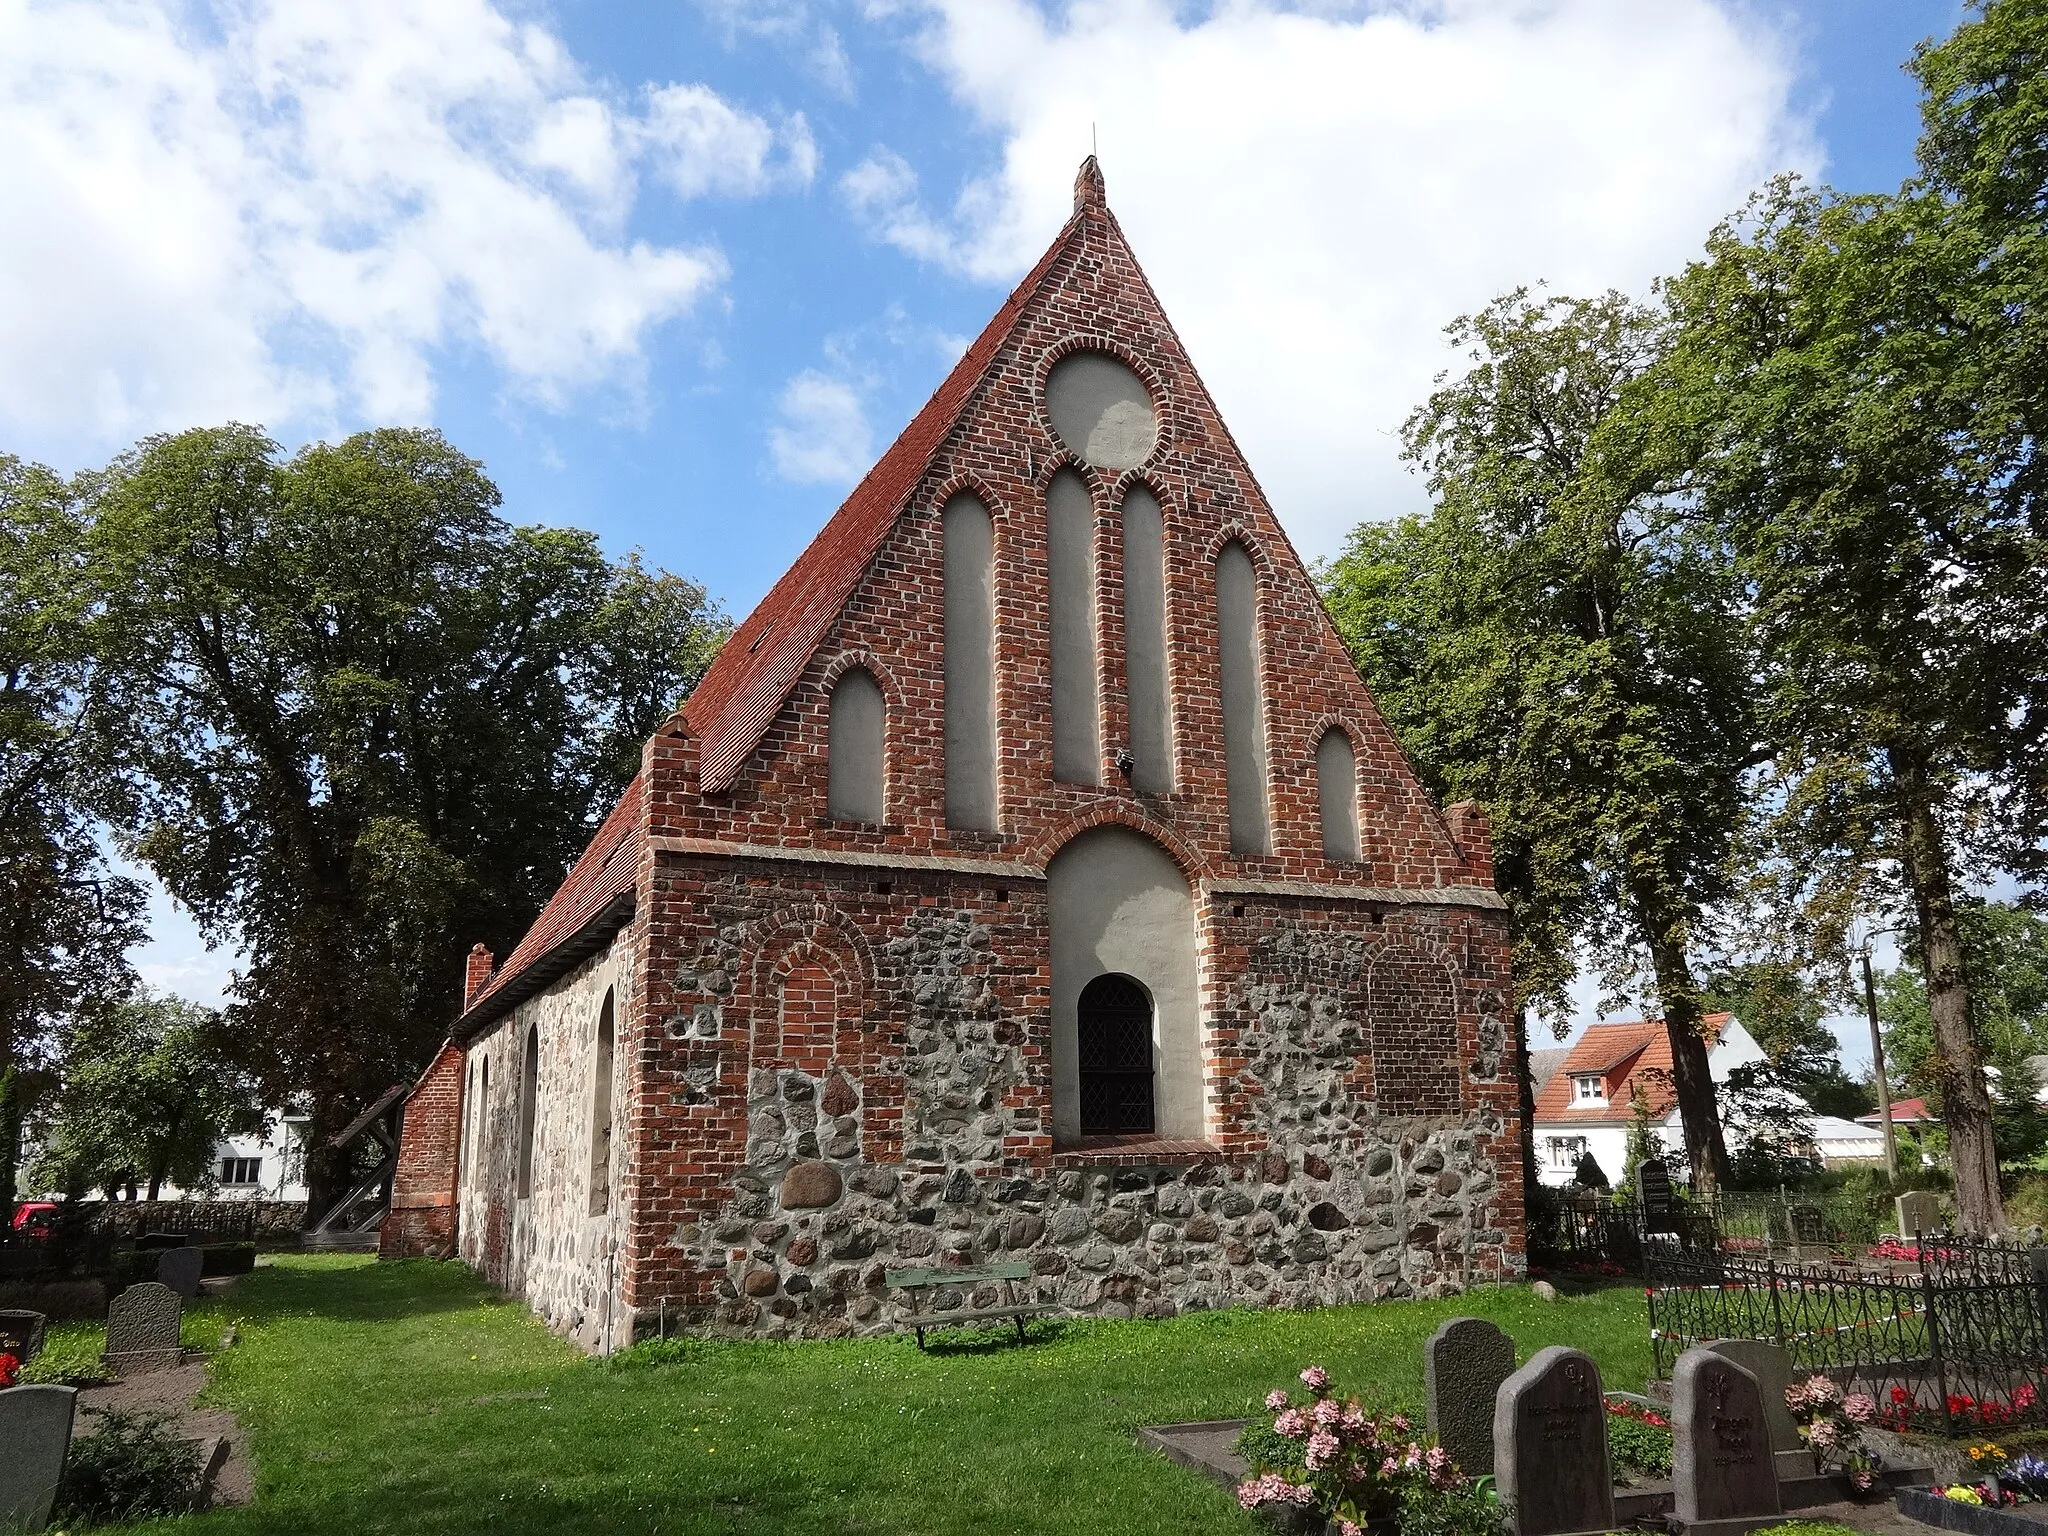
point(1590, 1101)
point(1031, 876)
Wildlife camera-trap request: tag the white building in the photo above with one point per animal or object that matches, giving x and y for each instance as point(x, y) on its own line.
point(1587, 1101)
point(270, 1165)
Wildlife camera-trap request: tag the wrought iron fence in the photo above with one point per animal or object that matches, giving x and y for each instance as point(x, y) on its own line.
point(1954, 1339)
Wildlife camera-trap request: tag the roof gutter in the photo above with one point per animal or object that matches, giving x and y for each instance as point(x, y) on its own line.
point(585, 940)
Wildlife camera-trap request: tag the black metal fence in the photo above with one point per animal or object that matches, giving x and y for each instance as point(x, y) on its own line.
point(1955, 1339)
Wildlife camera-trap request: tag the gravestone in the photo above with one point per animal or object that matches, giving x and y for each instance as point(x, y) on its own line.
point(21, 1333)
point(1722, 1472)
point(1919, 1211)
point(1772, 1368)
point(1550, 1446)
point(179, 1268)
point(35, 1429)
point(1654, 1197)
point(1809, 1224)
point(1463, 1365)
point(142, 1330)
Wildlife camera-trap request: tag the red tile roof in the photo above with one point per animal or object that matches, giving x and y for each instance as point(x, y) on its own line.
point(597, 884)
point(1635, 1060)
point(733, 706)
point(1903, 1110)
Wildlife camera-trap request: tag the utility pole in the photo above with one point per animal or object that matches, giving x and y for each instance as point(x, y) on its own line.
point(1884, 1087)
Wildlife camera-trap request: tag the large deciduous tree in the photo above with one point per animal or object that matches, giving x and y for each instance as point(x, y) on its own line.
point(356, 721)
point(66, 920)
point(1560, 642)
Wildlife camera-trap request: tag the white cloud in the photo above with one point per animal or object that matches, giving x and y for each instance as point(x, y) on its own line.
point(822, 436)
point(1315, 195)
point(706, 145)
point(794, 26)
point(287, 212)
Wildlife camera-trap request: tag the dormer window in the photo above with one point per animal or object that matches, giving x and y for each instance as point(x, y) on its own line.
point(1589, 1089)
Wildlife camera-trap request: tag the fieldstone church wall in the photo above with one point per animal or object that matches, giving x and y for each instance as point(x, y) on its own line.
point(925, 1142)
point(548, 1245)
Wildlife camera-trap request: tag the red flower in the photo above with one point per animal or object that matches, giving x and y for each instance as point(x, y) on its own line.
point(10, 1370)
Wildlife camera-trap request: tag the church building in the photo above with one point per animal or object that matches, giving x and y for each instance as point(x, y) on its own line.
point(1030, 878)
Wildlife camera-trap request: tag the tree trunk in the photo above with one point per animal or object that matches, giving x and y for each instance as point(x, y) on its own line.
point(1956, 1064)
point(330, 1171)
point(1531, 1175)
point(1706, 1151)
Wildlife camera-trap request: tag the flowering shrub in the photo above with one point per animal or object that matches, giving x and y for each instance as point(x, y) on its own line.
point(1831, 1422)
point(10, 1370)
point(2027, 1476)
point(1328, 1455)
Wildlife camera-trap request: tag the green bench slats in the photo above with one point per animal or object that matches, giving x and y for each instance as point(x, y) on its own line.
point(920, 1282)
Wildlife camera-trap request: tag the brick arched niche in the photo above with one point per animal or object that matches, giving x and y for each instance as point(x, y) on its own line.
point(1076, 677)
point(1119, 905)
point(1411, 1005)
point(970, 665)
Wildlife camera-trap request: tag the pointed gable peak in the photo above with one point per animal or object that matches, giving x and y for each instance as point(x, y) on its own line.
point(1090, 191)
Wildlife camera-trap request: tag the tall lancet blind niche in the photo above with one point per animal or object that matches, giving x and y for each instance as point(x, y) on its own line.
point(853, 750)
point(1337, 790)
point(1244, 708)
point(1076, 720)
point(970, 667)
point(1145, 642)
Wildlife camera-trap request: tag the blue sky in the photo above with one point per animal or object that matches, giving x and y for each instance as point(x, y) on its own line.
point(677, 271)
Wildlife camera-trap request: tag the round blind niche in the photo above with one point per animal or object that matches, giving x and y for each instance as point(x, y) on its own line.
point(1101, 410)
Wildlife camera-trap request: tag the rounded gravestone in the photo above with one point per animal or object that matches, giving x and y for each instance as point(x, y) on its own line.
point(35, 1429)
point(809, 1185)
point(1463, 1366)
point(1723, 1474)
point(1550, 1456)
point(1101, 410)
point(180, 1268)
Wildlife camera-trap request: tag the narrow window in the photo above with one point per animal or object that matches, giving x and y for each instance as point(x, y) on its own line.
point(1145, 642)
point(1337, 791)
point(1076, 719)
point(970, 666)
point(601, 1114)
point(529, 1092)
point(853, 750)
point(1244, 710)
point(1114, 1025)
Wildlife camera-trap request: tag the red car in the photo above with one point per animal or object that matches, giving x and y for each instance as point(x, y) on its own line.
point(34, 1218)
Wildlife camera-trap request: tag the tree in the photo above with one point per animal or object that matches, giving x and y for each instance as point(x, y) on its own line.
point(355, 721)
point(1782, 1007)
point(1560, 643)
point(2006, 950)
point(149, 1088)
point(66, 921)
point(1824, 363)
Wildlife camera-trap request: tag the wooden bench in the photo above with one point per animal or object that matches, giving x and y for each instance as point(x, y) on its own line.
point(917, 1284)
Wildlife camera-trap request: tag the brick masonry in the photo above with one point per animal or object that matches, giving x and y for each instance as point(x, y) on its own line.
point(421, 1222)
point(834, 1050)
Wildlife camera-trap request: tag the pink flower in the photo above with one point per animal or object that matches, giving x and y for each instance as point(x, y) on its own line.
point(1273, 1489)
point(1316, 1379)
point(1322, 1445)
point(1292, 1424)
point(1821, 1389)
point(1860, 1406)
point(1795, 1396)
point(1276, 1400)
point(1398, 1424)
point(1823, 1433)
point(1354, 1417)
point(1327, 1412)
point(1346, 1528)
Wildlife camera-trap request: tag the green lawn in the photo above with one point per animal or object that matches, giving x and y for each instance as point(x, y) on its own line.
point(409, 1397)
